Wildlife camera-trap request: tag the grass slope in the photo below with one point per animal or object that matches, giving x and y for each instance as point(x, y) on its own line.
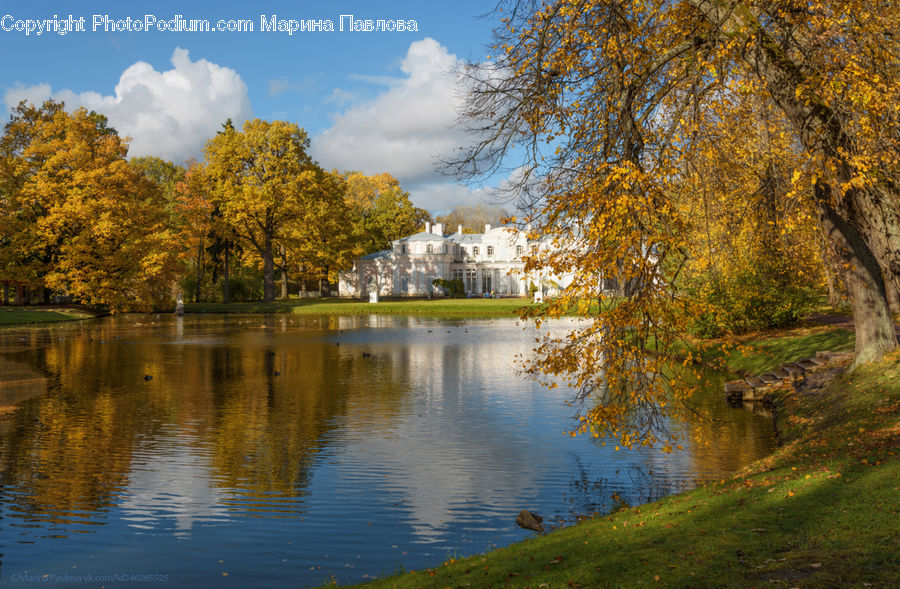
point(763, 352)
point(822, 511)
point(23, 315)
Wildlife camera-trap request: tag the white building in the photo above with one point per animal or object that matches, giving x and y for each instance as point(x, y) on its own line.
point(489, 263)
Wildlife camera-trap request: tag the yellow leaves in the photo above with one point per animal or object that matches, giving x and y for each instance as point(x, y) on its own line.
point(95, 219)
point(718, 179)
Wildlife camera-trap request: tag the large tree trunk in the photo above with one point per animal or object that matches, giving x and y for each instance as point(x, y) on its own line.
point(893, 297)
point(863, 221)
point(226, 291)
point(268, 272)
point(302, 283)
point(284, 276)
point(862, 275)
point(199, 273)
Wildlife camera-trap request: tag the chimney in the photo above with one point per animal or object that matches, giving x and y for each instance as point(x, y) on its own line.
point(438, 229)
point(427, 226)
point(459, 229)
point(487, 227)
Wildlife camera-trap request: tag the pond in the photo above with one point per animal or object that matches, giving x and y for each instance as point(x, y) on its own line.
point(266, 451)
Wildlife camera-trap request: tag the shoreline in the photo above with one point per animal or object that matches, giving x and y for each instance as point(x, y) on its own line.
point(12, 316)
point(441, 307)
point(821, 510)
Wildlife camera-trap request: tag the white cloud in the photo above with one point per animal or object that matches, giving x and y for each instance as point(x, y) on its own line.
point(278, 86)
point(406, 130)
point(281, 85)
point(36, 94)
point(340, 97)
point(443, 197)
point(169, 114)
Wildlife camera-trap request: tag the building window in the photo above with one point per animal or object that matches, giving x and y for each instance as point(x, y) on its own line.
point(490, 251)
point(429, 248)
point(486, 283)
point(403, 249)
point(534, 250)
point(470, 280)
point(475, 251)
point(444, 249)
point(519, 250)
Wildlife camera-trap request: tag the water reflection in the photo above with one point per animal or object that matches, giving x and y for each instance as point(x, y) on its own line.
point(353, 444)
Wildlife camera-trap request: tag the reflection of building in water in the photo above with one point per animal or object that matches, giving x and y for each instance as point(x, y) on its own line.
point(172, 484)
point(487, 263)
point(460, 441)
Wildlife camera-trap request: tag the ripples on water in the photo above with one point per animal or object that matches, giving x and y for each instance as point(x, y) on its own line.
point(293, 450)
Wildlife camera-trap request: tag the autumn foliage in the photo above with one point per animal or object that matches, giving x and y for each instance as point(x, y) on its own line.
point(80, 220)
point(717, 160)
point(76, 217)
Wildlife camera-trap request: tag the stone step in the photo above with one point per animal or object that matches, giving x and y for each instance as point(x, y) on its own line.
point(769, 377)
point(795, 371)
point(736, 389)
point(755, 382)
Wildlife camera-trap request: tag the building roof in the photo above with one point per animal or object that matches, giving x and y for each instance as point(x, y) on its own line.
point(383, 254)
point(422, 236)
point(466, 237)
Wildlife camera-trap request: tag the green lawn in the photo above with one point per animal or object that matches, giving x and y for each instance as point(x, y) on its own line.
point(332, 306)
point(25, 315)
point(767, 352)
point(822, 511)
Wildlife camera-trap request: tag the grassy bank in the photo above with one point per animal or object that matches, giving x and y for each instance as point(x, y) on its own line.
point(28, 315)
point(330, 306)
point(823, 510)
point(757, 353)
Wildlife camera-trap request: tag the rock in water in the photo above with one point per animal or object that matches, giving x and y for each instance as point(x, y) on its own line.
point(530, 521)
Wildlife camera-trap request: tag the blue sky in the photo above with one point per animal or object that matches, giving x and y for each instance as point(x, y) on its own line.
point(375, 101)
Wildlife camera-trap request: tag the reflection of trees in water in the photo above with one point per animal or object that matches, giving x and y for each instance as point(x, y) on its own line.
point(729, 437)
point(216, 401)
point(588, 496)
point(647, 486)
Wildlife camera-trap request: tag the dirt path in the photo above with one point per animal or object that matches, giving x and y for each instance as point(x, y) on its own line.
point(842, 321)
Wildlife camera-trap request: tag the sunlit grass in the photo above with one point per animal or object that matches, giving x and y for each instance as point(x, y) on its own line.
point(329, 306)
point(21, 315)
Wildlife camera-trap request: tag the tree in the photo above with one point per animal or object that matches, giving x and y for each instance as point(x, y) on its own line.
point(473, 218)
point(321, 241)
point(382, 210)
point(194, 209)
point(265, 181)
point(165, 174)
point(832, 69)
point(83, 221)
point(22, 257)
point(608, 103)
point(757, 261)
